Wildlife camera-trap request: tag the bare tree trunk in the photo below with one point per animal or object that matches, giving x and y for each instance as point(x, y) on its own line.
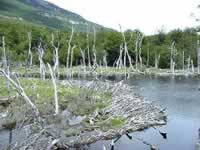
point(83, 60)
point(198, 57)
point(88, 47)
point(126, 50)
point(69, 51)
point(188, 65)
point(156, 60)
point(172, 57)
point(42, 65)
point(148, 57)
point(5, 64)
point(136, 52)
point(30, 55)
point(20, 90)
point(71, 62)
point(140, 50)
point(119, 62)
point(53, 77)
point(56, 56)
point(105, 60)
point(192, 65)
point(183, 60)
point(173, 67)
point(94, 49)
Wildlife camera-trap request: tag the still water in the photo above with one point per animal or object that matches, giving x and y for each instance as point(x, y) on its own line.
point(181, 97)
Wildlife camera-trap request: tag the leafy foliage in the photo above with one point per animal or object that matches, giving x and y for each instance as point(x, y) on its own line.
point(107, 42)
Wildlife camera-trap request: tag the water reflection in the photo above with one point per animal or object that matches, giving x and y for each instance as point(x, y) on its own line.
point(181, 96)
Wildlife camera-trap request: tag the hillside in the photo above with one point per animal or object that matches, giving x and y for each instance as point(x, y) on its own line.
point(43, 13)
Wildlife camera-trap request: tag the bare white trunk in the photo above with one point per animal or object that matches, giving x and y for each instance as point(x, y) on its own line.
point(5, 64)
point(105, 60)
point(53, 77)
point(69, 48)
point(119, 62)
point(198, 56)
point(71, 61)
point(88, 47)
point(172, 57)
point(173, 67)
point(42, 65)
point(148, 57)
point(30, 55)
point(140, 50)
point(192, 66)
point(183, 61)
point(188, 63)
point(157, 58)
point(16, 84)
point(83, 60)
point(94, 49)
point(126, 53)
point(55, 55)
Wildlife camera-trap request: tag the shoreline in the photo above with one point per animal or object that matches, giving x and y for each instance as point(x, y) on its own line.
point(137, 113)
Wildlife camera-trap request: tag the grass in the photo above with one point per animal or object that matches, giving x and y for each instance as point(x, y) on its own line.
point(79, 101)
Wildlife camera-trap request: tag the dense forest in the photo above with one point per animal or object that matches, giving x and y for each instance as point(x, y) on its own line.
point(106, 43)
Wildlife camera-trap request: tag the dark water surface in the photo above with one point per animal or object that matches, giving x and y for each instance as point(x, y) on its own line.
point(182, 98)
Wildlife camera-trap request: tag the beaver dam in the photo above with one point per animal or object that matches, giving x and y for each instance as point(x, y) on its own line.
point(88, 111)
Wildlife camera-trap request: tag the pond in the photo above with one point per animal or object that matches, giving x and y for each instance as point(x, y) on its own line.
point(181, 97)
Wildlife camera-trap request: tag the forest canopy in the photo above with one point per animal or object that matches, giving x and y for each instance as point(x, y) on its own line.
point(106, 43)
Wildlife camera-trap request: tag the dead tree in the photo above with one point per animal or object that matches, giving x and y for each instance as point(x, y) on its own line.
point(198, 56)
point(71, 61)
point(16, 84)
point(140, 50)
point(83, 60)
point(157, 58)
point(192, 66)
point(136, 52)
point(5, 63)
point(88, 47)
point(126, 53)
point(105, 60)
point(183, 63)
point(148, 53)
point(119, 61)
point(172, 57)
point(30, 55)
point(69, 51)
point(188, 63)
point(55, 55)
point(53, 77)
point(40, 57)
point(94, 49)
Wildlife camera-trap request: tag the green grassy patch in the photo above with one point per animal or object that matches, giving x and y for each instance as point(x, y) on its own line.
point(80, 101)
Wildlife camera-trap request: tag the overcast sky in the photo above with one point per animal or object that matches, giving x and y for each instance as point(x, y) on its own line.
point(146, 15)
